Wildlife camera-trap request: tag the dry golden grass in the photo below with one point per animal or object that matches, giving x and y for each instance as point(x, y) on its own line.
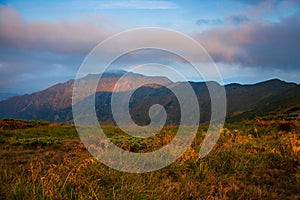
point(252, 160)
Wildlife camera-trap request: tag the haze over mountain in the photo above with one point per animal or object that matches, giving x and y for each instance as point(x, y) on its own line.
point(243, 101)
point(4, 95)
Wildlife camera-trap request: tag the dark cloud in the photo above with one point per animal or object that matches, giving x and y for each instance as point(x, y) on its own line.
point(237, 19)
point(262, 44)
point(209, 21)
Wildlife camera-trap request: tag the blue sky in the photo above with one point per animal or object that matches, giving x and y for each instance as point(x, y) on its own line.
point(44, 42)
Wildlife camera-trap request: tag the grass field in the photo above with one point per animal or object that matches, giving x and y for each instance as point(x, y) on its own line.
point(257, 159)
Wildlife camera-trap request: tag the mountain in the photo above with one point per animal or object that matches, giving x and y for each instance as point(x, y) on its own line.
point(243, 101)
point(4, 95)
point(272, 97)
point(52, 103)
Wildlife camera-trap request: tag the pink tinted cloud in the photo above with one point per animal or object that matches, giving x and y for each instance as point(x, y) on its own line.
point(256, 43)
point(250, 43)
point(59, 37)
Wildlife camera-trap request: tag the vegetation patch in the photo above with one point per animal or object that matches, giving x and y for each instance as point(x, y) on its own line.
point(34, 142)
point(11, 124)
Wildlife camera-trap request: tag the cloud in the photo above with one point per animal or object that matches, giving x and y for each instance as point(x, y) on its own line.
point(25, 70)
point(268, 9)
point(46, 52)
point(251, 2)
point(237, 19)
point(142, 4)
point(258, 43)
point(209, 21)
point(58, 37)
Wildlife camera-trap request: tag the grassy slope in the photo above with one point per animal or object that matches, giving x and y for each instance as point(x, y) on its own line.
point(252, 160)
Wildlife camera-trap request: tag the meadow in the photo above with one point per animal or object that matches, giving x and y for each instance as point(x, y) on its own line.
point(256, 159)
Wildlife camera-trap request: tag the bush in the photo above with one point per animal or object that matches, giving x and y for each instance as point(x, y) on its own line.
point(12, 124)
point(285, 126)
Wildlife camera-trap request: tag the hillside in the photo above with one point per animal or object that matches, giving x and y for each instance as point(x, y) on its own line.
point(243, 101)
point(51, 103)
point(266, 98)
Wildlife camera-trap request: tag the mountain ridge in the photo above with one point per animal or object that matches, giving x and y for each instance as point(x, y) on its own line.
point(244, 101)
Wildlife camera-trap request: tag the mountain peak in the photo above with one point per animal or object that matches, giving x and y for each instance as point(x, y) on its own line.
point(276, 83)
point(274, 80)
point(110, 73)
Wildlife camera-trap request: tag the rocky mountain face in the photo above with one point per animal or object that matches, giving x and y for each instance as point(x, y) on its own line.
point(52, 103)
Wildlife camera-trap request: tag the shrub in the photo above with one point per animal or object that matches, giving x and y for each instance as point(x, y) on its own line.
point(12, 124)
point(285, 126)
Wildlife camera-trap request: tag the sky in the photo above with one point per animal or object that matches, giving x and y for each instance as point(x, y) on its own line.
point(45, 42)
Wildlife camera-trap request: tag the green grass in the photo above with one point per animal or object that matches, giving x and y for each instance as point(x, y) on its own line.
point(252, 160)
point(33, 142)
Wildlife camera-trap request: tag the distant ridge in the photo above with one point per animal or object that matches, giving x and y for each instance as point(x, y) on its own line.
point(4, 95)
point(244, 101)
